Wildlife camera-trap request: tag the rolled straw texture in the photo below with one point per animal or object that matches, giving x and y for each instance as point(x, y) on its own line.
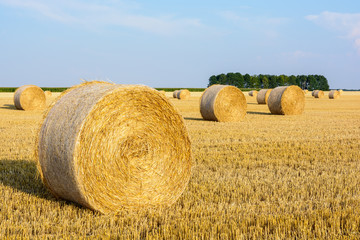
point(333, 94)
point(175, 93)
point(29, 97)
point(223, 103)
point(183, 94)
point(48, 94)
point(262, 96)
point(253, 93)
point(319, 94)
point(119, 146)
point(288, 100)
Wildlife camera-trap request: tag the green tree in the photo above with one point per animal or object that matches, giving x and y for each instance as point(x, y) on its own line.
point(239, 80)
point(292, 80)
point(248, 81)
point(221, 79)
point(272, 81)
point(313, 84)
point(265, 82)
point(212, 80)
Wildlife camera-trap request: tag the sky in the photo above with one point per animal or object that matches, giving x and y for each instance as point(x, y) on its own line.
point(176, 43)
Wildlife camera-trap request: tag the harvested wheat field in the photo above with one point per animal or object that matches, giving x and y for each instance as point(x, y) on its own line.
point(268, 176)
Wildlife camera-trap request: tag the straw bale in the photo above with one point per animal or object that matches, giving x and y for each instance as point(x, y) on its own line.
point(120, 146)
point(306, 91)
point(223, 103)
point(288, 100)
point(175, 93)
point(29, 97)
point(253, 93)
point(319, 94)
point(262, 96)
point(333, 94)
point(340, 91)
point(313, 93)
point(48, 94)
point(183, 94)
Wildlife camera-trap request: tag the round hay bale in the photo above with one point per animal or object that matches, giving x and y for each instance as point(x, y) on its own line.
point(48, 94)
point(223, 103)
point(183, 94)
point(306, 91)
point(288, 100)
point(29, 97)
point(313, 93)
point(333, 94)
point(119, 146)
point(340, 91)
point(253, 93)
point(262, 96)
point(319, 94)
point(175, 93)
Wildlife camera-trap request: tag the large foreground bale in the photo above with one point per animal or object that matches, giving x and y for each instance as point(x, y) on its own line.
point(262, 96)
point(119, 146)
point(319, 94)
point(175, 93)
point(29, 97)
point(333, 94)
point(223, 103)
point(286, 100)
point(253, 93)
point(183, 94)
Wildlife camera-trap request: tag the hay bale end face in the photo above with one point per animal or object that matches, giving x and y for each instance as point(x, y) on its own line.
point(107, 155)
point(175, 93)
point(319, 94)
point(313, 93)
point(29, 97)
point(286, 100)
point(262, 96)
point(253, 93)
point(183, 94)
point(223, 103)
point(333, 94)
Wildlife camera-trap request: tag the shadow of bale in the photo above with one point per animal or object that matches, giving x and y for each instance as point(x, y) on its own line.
point(22, 175)
point(8, 106)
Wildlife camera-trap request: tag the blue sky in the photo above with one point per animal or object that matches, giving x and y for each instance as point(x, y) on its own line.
point(176, 43)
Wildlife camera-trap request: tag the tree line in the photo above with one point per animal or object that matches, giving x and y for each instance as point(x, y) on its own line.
point(310, 82)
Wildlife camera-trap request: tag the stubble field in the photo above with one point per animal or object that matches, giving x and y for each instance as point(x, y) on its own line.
point(266, 177)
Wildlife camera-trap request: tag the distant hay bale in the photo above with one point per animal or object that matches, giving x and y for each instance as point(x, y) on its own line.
point(288, 100)
point(29, 97)
point(262, 96)
point(183, 94)
point(340, 92)
point(253, 93)
point(162, 92)
point(306, 91)
point(119, 146)
point(223, 103)
point(319, 94)
point(333, 94)
point(48, 94)
point(313, 93)
point(175, 93)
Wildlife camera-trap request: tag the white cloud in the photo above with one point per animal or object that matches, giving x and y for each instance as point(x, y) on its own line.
point(116, 13)
point(346, 24)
